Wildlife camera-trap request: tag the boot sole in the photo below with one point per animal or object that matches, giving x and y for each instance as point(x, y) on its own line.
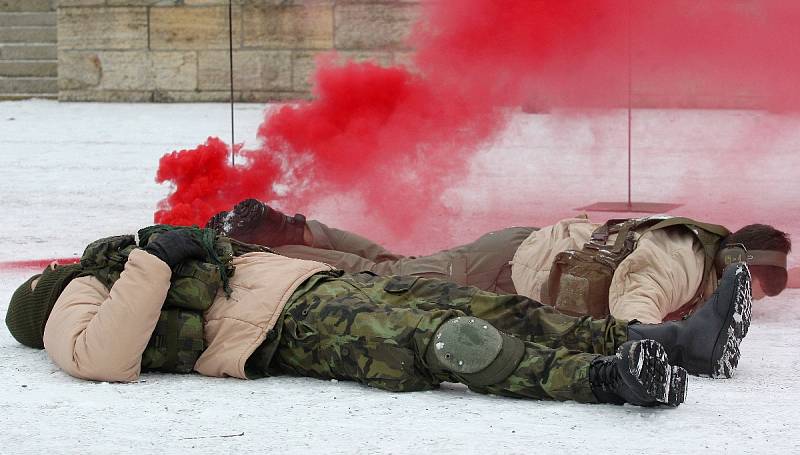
point(737, 323)
point(220, 223)
point(677, 386)
point(238, 222)
point(657, 381)
point(247, 213)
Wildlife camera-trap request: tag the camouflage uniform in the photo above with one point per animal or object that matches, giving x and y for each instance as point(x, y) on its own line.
point(377, 330)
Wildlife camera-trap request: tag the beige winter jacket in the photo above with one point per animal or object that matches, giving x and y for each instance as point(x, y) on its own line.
point(97, 334)
point(659, 277)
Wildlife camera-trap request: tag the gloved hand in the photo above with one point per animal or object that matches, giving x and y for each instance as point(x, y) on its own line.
point(174, 247)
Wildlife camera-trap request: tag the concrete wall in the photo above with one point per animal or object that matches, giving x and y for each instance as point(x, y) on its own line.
point(177, 50)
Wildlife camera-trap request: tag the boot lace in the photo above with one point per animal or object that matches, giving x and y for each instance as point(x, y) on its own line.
point(604, 375)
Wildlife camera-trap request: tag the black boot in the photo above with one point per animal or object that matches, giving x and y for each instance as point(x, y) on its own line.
point(639, 374)
point(707, 343)
point(252, 221)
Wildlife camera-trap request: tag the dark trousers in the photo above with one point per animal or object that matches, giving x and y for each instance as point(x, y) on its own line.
point(484, 263)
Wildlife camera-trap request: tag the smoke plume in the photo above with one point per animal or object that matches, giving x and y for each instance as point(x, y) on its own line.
point(390, 141)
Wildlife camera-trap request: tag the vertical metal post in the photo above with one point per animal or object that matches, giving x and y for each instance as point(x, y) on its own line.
point(230, 54)
point(629, 206)
point(630, 96)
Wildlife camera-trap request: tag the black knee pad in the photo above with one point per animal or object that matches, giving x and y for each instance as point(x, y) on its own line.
point(475, 351)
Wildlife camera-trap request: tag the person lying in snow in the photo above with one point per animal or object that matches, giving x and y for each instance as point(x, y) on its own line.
point(665, 269)
point(114, 315)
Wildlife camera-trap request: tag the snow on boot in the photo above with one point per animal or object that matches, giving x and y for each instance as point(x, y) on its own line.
point(638, 374)
point(707, 343)
point(252, 221)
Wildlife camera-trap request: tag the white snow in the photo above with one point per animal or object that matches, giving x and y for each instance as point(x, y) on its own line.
point(70, 173)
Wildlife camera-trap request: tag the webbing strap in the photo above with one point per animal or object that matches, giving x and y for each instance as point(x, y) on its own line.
point(708, 234)
point(172, 341)
point(721, 231)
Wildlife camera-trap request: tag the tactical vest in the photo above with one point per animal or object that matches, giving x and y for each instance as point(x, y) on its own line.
point(580, 280)
point(177, 340)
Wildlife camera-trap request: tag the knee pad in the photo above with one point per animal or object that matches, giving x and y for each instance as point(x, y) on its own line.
point(475, 351)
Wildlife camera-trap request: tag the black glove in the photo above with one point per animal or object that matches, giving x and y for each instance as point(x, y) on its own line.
point(174, 247)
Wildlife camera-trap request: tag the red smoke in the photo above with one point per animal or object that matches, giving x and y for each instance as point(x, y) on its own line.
point(378, 132)
point(575, 53)
point(205, 182)
point(386, 135)
point(394, 139)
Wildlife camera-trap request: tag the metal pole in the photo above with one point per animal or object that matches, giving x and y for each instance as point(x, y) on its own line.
point(630, 90)
point(230, 54)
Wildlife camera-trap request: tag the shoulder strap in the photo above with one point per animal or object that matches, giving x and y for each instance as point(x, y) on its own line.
point(708, 234)
point(624, 244)
point(716, 229)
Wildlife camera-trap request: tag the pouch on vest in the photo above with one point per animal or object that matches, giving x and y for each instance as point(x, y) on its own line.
point(176, 343)
point(578, 285)
point(194, 286)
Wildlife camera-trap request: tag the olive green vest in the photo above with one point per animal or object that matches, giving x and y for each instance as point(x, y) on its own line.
point(177, 340)
point(580, 280)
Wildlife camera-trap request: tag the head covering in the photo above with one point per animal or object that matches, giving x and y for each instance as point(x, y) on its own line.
point(29, 309)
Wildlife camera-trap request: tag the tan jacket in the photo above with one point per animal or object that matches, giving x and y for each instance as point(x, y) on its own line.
point(660, 276)
point(97, 334)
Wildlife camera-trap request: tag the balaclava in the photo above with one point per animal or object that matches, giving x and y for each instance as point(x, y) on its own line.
point(29, 309)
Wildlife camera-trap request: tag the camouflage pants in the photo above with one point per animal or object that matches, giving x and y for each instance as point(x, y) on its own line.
point(376, 330)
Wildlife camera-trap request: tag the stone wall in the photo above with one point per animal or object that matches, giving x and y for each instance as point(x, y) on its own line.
point(28, 62)
point(177, 50)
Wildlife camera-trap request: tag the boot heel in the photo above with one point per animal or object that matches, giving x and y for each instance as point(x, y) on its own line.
point(639, 374)
point(728, 353)
point(662, 382)
point(677, 386)
point(744, 302)
point(651, 368)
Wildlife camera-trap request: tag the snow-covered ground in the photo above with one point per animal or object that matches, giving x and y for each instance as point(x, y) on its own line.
point(70, 173)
